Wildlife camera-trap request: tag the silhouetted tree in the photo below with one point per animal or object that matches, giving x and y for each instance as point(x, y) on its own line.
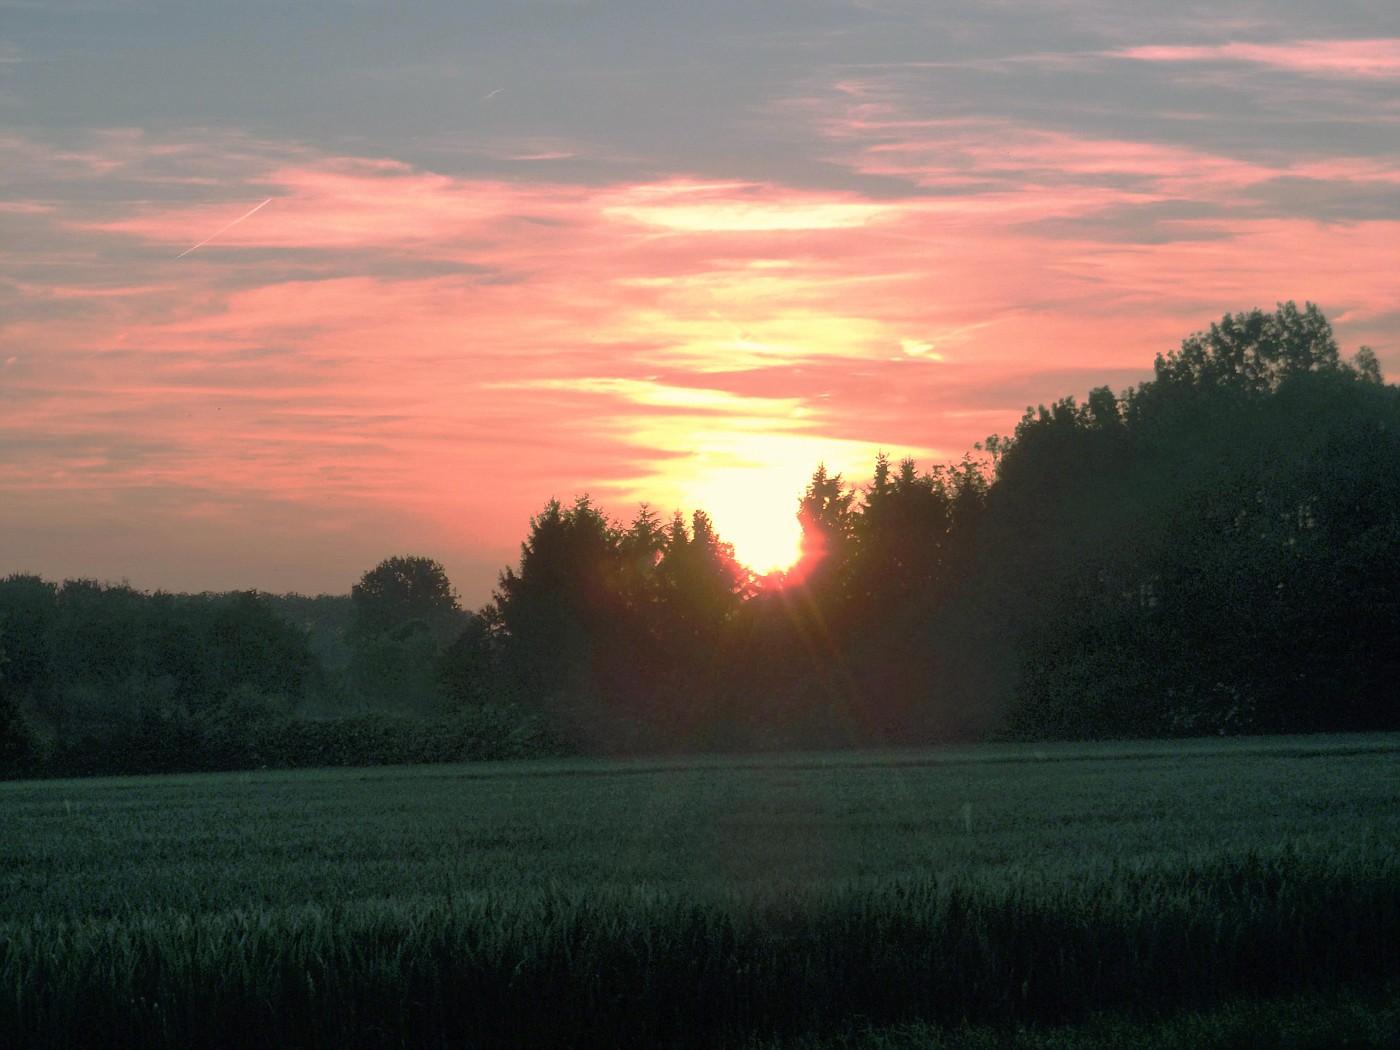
point(28, 607)
point(901, 534)
point(1252, 353)
point(617, 631)
point(403, 595)
point(1161, 558)
point(250, 646)
point(325, 618)
point(19, 750)
point(828, 525)
point(560, 606)
point(702, 583)
point(471, 671)
point(101, 630)
point(405, 615)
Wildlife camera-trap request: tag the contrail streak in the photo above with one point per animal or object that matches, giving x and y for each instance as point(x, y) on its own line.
point(216, 233)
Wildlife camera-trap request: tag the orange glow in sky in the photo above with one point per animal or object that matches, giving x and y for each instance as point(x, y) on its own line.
point(266, 332)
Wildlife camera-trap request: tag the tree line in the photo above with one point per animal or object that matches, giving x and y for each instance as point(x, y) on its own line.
point(1216, 550)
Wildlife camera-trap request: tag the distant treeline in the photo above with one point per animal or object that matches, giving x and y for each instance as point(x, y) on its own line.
point(1214, 551)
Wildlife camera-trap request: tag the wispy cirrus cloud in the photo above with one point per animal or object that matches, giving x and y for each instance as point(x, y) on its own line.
point(731, 207)
point(269, 364)
point(1373, 58)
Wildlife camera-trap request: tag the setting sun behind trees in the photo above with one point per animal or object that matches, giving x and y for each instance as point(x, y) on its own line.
point(763, 543)
point(756, 513)
point(750, 483)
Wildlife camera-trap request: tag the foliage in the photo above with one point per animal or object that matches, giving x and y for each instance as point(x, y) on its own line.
point(326, 619)
point(471, 672)
point(1212, 552)
point(828, 524)
point(19, 751)
point(556, 606)
point(1252, 353)
point(613, 631)
point(27, 611)
point(102, 678)
point(402, 596)
point(405, 614)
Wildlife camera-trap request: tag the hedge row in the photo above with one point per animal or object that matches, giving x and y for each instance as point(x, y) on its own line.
point(180, 742)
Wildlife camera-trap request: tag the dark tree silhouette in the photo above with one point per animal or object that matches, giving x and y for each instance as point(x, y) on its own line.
point(405, 615)
point(1168, 567)
point(702, 583)
point(616, 632)
point(19, 751)
point(1252, 353)
point(828, 525)
point(471, 671)
point(561, 608)
point(402, 595)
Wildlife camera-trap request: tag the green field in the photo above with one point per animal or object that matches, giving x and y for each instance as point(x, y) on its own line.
point(988, 896)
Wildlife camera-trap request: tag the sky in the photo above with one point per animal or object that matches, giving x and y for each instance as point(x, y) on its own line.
point(289, 288)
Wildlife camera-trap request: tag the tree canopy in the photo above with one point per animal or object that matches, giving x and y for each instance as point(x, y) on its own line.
point(402, 595)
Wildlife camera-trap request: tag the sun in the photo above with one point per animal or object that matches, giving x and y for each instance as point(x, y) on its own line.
point(765, 545)
point(757, 516)
point(749, 480)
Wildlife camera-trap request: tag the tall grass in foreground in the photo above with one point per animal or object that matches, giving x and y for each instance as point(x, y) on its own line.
point(632, 967)
point(1007, 894)
point(1327, 1021)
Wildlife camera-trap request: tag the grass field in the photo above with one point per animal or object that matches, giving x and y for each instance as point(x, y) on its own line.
point(1075, 895)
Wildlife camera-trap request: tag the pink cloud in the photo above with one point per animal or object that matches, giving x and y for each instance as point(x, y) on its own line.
point(735, 207)
point(1377, 58)
point(353, 204)
point(1012, 170)
point(393, 345)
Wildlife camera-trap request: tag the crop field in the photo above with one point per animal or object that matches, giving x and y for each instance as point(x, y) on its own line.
point(1231, 892)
